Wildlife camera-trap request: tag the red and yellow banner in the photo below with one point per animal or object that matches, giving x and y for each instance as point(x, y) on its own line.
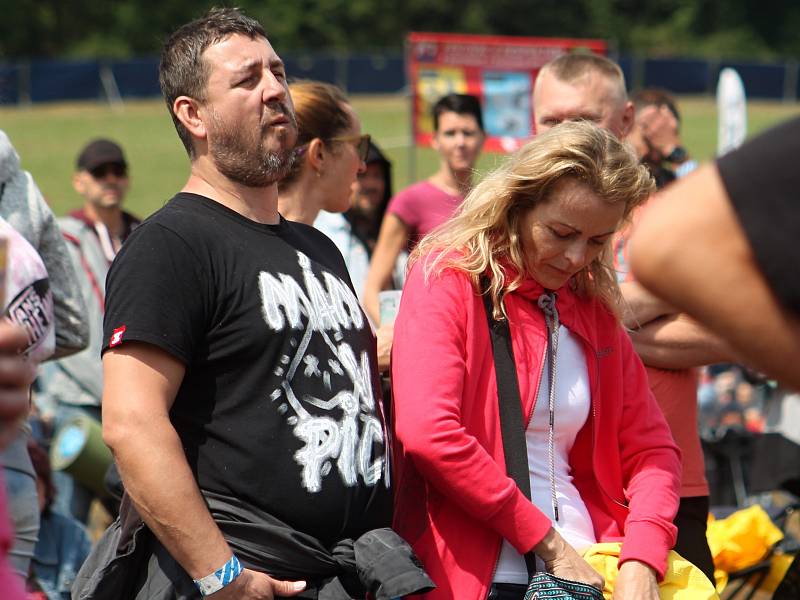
point(500, 70)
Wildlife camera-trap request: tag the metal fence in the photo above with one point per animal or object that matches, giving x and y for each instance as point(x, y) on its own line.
point(32, 81)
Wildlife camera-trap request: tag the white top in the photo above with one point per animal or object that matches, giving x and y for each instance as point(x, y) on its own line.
point(353, 250)
point(572, 404)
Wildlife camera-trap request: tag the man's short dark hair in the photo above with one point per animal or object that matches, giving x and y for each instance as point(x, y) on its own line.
point(182, 70)
point(656, 97)
point(462, 104)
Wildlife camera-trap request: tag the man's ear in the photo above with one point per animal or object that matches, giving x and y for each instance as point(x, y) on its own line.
point(77, 182)
point(188, 113)
point(628, 118)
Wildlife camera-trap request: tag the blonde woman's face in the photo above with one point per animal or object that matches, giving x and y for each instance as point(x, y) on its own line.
point(565, 233)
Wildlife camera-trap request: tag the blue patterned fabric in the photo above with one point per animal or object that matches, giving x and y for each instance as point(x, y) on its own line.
point(219, 578)
point(229, 571)
point(544, 586)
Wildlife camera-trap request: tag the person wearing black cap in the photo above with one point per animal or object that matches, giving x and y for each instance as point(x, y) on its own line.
point(94, 234)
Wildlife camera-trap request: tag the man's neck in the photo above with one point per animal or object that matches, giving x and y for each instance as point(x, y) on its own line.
point(259, 204)
point(111, 217)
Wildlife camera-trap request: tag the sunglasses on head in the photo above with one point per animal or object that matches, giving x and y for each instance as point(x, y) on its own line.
point(115, 169)
point(361, 143)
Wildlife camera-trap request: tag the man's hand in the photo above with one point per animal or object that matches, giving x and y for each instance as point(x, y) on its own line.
point(16, 376)
point(639, 307)
point(252, 585)
point(659, 130)
point(635, 581)
point(563, 561)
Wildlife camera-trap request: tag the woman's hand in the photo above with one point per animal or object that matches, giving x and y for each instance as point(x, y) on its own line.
point(635, 581)
point(561, 560)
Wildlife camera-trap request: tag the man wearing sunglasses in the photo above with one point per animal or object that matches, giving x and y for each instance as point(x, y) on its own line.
point(94, 234)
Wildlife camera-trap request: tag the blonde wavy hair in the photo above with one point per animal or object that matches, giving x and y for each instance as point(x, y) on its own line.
point(484, 234)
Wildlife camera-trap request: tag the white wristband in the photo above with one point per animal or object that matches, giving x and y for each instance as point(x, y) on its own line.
point(219, 578)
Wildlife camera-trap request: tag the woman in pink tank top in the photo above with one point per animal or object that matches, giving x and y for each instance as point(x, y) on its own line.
point(458, 138)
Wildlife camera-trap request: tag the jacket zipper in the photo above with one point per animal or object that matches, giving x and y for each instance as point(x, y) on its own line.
point(594, 421)
point(538, 386)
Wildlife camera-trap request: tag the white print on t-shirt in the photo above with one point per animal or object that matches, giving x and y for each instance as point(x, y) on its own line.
point(329, 307)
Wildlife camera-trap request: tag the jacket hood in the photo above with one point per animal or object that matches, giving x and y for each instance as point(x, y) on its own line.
point(375, 155)
point(9, 159)
point(531, 289)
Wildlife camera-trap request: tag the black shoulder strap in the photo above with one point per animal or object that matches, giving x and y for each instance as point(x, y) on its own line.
point(512, 422)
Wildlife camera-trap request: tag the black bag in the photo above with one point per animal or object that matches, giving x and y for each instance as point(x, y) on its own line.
point(541, 584)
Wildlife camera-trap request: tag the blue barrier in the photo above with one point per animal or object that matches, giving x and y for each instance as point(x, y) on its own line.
point(137, 78)
point(678, 75)
point(9, 84)
point(64, 80)
point(760, 80)
point(376, 73)
point(312, 66)
point(626, 63)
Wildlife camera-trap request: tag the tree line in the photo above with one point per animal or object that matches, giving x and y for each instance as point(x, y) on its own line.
point(749, 29)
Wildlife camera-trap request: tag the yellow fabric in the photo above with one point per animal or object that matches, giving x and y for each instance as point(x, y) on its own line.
point(740, 541)
point(682, 581)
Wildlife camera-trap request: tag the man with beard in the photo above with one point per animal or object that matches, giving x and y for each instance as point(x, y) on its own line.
point(241, 391)
point(94, 233)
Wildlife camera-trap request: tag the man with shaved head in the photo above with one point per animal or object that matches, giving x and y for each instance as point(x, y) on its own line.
point(590, 87)
point(585, 87)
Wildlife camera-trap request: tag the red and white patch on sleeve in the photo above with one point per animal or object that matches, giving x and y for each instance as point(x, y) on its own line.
point(116, 337)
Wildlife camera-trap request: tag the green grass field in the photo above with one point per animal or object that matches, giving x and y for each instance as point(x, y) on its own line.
point(48, 138)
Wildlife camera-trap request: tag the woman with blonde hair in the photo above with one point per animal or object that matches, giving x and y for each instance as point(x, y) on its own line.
point(535, 237)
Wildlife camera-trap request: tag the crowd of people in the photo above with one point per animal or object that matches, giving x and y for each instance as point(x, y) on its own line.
point(273, 433)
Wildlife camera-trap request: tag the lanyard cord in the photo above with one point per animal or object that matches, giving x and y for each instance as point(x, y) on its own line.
point(547, 302)
point(106, 243)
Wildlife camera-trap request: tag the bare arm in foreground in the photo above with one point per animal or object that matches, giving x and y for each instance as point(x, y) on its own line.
point(140, 385)
point(666, 338)
point(691, 251)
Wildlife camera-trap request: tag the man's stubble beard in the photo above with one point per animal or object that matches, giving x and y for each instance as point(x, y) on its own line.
point(242, 158)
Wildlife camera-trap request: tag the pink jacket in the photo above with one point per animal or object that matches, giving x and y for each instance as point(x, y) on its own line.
point(454, 501)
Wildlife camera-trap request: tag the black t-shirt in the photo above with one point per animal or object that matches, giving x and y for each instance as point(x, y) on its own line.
point(280, 403)
point(762, 179)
